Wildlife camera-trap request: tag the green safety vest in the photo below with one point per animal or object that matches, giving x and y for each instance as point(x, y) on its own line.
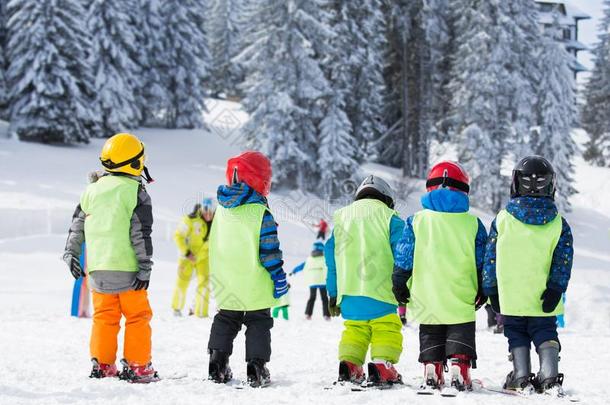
point(363, 254)
point(239, 280)
point(524, 254)
point(315, 270)
point(108, 205)
point(444, 282)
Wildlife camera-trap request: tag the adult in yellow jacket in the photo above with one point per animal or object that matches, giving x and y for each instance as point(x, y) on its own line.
point(191, 237)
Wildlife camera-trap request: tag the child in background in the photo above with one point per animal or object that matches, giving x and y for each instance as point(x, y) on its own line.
point(360, 257)
point(438, 273)
point(191, 238)
point(114, 218)
point(315, 272)
point(528, 264)
point(245, 267)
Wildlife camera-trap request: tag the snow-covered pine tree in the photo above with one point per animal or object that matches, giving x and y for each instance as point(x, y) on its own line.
point(187, 63)
point(481, 98)
point(557, 112)
point(4, 112)
point(50, 78)
point(152, 96)
point(366, 38)
point(337, 150)
point(289, 83)
point(114, 57)
point(595, 115)
point(522, 45)
point(222, 31)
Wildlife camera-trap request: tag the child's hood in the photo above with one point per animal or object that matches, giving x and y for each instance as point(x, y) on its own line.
point(532, 210)
point(445, 200)
point(238, 194)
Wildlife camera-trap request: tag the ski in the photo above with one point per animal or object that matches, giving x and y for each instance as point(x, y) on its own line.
point(525, 394)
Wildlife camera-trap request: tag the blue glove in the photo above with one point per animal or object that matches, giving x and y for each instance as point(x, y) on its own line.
point(280, 285)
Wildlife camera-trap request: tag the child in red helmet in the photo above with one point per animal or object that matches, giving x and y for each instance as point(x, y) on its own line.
point(245, 268)
point(440, 276)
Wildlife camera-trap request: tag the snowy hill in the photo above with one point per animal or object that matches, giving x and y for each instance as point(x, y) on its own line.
point(44, 353)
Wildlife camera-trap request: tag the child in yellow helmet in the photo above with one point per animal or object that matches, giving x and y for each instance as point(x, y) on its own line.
point(114, 218)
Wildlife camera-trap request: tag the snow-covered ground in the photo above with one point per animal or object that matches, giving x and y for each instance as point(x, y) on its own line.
point(44, 354)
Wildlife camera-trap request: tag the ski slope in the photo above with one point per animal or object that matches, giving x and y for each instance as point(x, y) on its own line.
point(44, 357)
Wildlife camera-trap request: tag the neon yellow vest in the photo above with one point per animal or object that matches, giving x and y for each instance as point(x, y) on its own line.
point(239, 280)
point(523, 262)
point(315, 270)
point(362, 251)
point(108, 205)
point(444, 281)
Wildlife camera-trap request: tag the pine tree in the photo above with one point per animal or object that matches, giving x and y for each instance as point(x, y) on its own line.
point(557, 110)
point(114, 57)
point(481, 102)
point(596, 109)
point(4, 108)
point(222, 30)
point(289, 84)
point(51, 82)
point(338, 150)
point(187, 63)
point(152, 95)
point(367, 40)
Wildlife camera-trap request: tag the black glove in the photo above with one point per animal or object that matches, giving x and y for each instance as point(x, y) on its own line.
point(140, 284)
point(75, 267)
point(495, 303)
point(333, 308)
point(550, 299)
point(399, 287)
point(479, 300)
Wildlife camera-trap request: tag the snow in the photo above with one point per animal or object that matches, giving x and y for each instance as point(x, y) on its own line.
point(44, 352)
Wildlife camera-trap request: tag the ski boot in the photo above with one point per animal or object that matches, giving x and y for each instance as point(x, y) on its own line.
point(177, 313)
point(549, 380)
point(219, 370)
point(101, 370)
point(258, 375)
point(460, 372)
point(434, 378)
point(350, 373)
point(138, 373)
point(383, 373)
point(520, 379)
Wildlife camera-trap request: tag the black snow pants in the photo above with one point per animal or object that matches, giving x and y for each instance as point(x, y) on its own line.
point(312, 300)
point(440, 342)
point(227, 324)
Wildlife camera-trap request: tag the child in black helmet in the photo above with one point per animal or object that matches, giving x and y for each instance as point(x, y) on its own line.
point(528, 262)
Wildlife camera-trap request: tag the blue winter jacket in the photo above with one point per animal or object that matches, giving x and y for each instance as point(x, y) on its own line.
point(269, 251)
point(440, 200)
point(533, 211)
point(357, 308)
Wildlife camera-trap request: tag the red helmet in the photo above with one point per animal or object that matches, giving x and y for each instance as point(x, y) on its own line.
point(447, 174)
point(252, 168)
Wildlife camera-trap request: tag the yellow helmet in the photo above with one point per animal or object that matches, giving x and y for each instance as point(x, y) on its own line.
point(123, 153)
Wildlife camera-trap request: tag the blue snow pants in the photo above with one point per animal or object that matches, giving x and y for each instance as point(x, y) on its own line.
point(524, 330)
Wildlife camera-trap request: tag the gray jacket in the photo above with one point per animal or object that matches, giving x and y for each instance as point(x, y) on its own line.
point(141, 229)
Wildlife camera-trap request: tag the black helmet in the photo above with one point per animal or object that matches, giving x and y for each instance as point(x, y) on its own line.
point(533, 176)
point(376, 187)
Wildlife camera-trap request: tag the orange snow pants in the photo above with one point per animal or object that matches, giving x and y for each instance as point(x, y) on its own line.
point(107, 311)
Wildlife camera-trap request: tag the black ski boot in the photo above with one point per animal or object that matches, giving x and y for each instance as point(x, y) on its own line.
point(520, 379)
point(549, 379)
point(258, 375)
point(219, 370)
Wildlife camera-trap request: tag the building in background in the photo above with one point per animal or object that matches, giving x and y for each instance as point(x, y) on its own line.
point(569, 17)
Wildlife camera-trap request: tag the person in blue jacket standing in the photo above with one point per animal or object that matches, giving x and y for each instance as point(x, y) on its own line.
point(528, 264)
